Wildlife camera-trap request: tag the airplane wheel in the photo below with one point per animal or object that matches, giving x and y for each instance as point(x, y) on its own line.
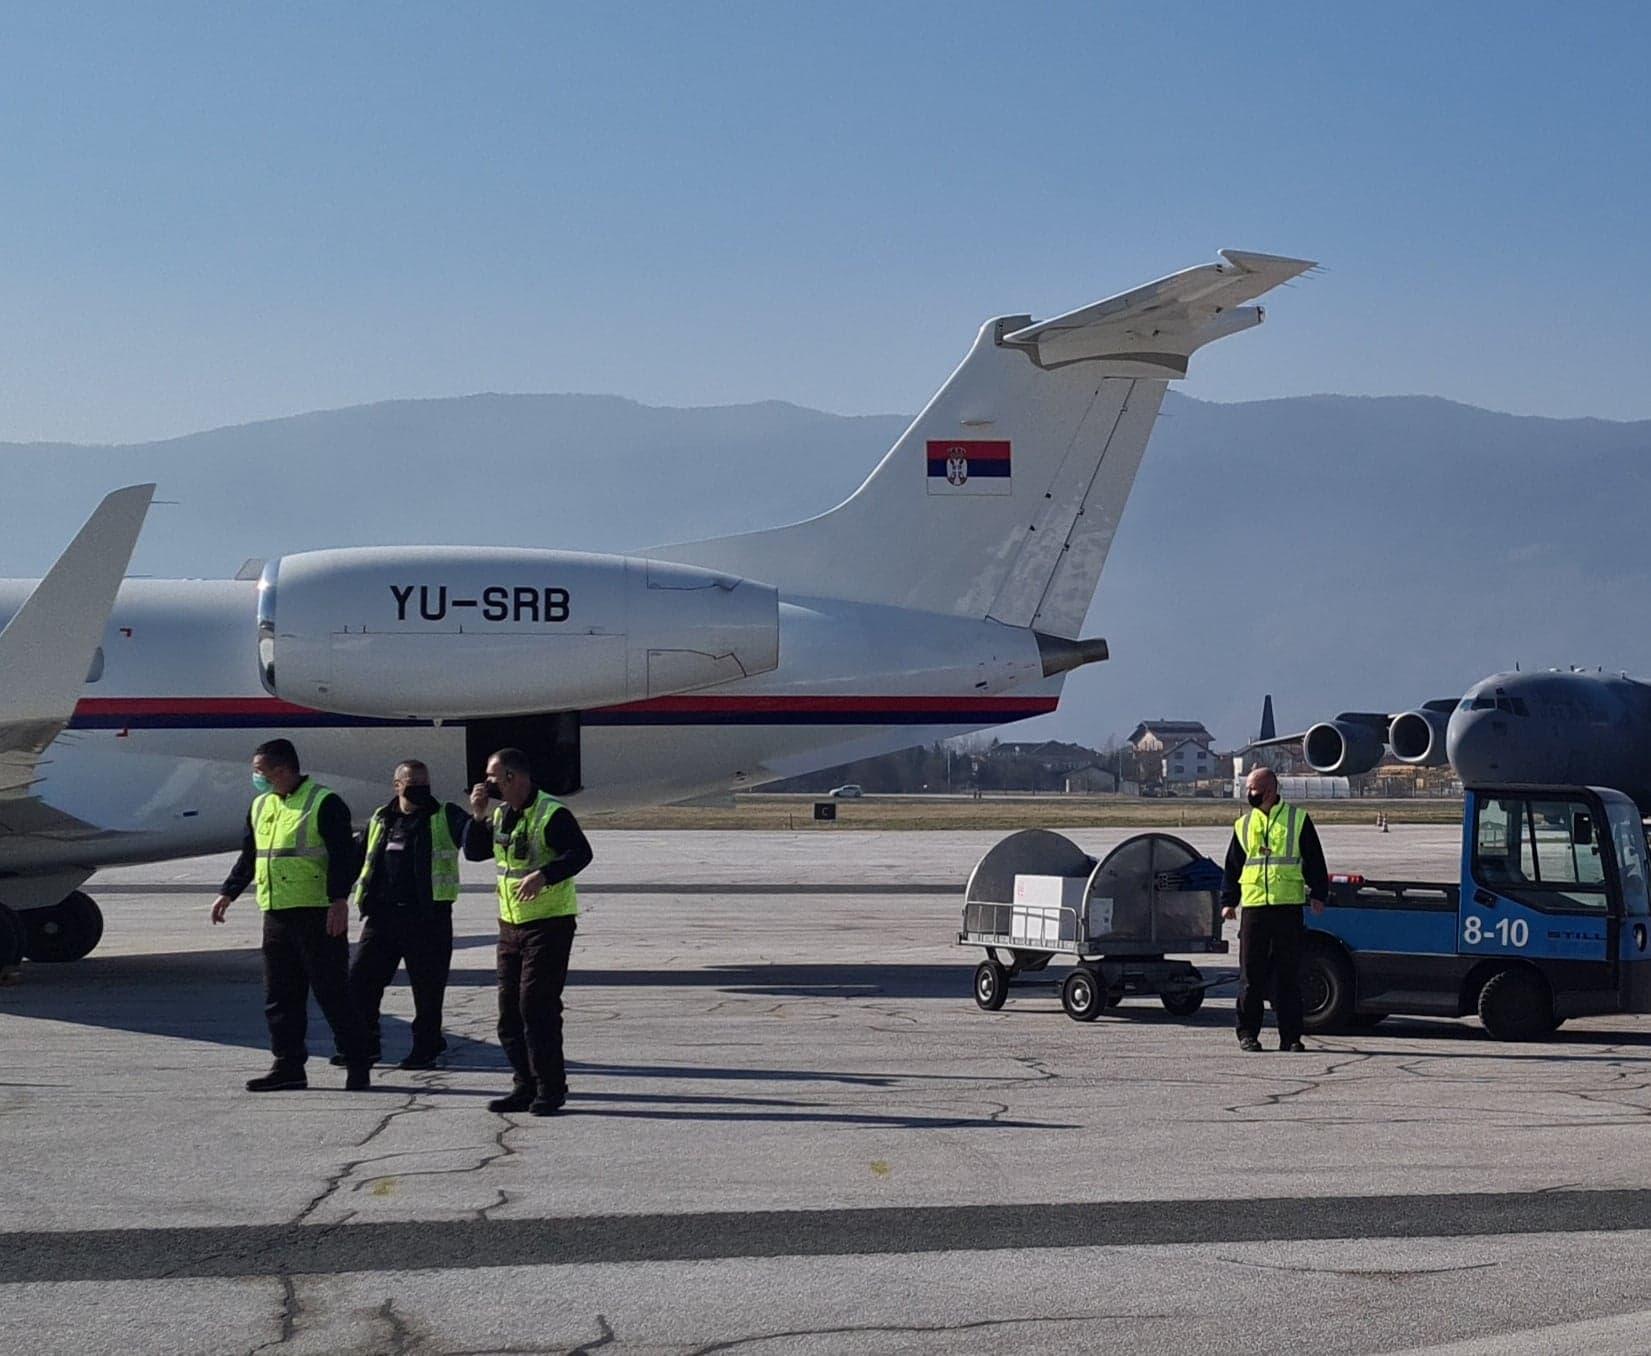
point(13, 935)
point(65, 932)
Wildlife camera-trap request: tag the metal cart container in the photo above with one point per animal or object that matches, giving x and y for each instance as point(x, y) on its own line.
point(1037, 895)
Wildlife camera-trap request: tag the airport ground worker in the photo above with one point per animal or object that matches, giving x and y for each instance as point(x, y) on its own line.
point(1275, 865)
point(299, 849)
point(405, 892)
point(537, 848)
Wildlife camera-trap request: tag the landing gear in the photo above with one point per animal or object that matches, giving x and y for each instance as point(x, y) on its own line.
point(13, 937)
point(67, 931)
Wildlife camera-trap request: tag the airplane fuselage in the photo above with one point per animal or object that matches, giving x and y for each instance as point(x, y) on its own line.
point(1555, 727)
point(157, 755)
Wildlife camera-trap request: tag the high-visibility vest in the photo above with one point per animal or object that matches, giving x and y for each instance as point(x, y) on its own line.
point(520, 854)
point(1272, 856)
point(291, 858)
point(444, 856)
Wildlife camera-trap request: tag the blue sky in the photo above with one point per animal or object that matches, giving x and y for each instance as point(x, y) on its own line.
point(219, 212)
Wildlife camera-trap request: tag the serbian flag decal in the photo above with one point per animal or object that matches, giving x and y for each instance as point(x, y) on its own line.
point(968, 467)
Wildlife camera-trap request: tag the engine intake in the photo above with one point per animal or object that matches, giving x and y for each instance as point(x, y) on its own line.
point(1418, 738)
point(1342, 748)
point(453, 632)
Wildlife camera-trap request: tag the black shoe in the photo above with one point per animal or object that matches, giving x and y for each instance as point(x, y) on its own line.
point(1248, 1044)
point(420, 1059)
point(517, 1099)
point(280, 1078)
point(547, 1106)
point(343, 1061)
point(359, 1078)
point(1294, 1048)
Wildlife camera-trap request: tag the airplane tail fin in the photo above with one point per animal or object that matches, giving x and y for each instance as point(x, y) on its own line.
point(1002, 498)
point(1269, 730)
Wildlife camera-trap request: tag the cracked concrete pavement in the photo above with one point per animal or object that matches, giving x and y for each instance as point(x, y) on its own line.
point(759, 1051)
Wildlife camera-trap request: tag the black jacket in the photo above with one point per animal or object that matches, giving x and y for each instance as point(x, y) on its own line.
point(416, 828)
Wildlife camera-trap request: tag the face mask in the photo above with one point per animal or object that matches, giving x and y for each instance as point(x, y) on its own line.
point(493, 789)
point(1255, 798)
point(261, 784)
point(420, 797)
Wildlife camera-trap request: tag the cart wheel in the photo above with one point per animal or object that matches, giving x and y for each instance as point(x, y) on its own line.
point(1082, 996)
point(1181, 1002)
point(991, 985)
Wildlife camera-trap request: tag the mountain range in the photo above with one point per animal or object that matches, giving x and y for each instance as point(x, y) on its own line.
point(1339, 552)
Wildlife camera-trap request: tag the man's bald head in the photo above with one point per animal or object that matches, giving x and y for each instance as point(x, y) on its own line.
point(1262, 782)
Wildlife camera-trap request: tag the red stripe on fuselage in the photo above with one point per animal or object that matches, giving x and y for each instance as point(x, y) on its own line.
point(275, 709)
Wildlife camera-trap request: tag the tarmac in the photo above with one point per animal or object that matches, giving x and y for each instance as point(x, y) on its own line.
point(791, 1130)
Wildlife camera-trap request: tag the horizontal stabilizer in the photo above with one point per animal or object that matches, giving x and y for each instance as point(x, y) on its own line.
point(1152, 330)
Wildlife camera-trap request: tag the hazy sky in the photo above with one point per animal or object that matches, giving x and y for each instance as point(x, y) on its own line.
point(219, 212)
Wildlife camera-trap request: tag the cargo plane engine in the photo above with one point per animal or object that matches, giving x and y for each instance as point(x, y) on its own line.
point(1346, 746)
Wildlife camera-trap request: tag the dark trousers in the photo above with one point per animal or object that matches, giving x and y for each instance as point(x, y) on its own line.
point(1269, 966)
point(299, 957)
point(421, 938)
point(533, 967)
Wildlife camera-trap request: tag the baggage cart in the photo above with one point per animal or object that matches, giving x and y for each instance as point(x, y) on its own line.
point(1037, 895)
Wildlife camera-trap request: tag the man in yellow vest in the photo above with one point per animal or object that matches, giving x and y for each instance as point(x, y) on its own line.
point(1275, 865)
point(405, 892)
point(299, 849)
point(537, 848)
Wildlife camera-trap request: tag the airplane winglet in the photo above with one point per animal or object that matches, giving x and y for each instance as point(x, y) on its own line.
point(47, 647)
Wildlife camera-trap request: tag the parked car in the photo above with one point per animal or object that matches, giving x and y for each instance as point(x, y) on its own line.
point(848, 791)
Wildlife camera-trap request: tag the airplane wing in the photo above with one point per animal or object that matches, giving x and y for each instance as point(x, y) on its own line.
point(1376, 720)
point(47, 648)
point(1151, 331)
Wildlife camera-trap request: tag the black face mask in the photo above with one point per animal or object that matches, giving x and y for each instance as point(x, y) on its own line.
point(419, 797)
point(493, 789)
point(1255, 798)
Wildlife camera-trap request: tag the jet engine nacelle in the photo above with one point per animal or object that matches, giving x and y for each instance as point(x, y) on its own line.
point(1418, 738)
point(455, 632)
point(1342, 748)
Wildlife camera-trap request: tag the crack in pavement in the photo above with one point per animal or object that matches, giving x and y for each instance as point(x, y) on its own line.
point(606, 1336)
point(291, 1308)
point(967, 1326)
point(1381, 1273)
point(401, 1336)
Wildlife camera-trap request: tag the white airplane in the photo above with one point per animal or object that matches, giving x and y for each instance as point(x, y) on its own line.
point(946, 594)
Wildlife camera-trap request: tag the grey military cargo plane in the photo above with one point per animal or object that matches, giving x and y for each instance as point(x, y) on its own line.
point(1547, 726)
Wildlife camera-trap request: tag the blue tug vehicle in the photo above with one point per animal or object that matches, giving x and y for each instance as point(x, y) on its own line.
point(1548, 919)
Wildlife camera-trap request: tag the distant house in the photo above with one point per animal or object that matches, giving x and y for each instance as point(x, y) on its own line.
point(1187, 760)
point(1051, 754)
point(1158, 736)
point(1096, 780)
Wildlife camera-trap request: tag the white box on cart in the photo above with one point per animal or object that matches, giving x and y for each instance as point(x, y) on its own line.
point(1046, 908)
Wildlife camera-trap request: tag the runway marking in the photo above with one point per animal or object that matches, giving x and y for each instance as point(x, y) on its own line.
point(309, 1249)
